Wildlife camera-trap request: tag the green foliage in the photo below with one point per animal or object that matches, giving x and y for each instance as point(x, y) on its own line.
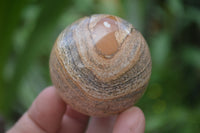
point(28, 29)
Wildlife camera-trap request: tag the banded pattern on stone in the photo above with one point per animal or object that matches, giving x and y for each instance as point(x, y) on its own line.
point(100, 64)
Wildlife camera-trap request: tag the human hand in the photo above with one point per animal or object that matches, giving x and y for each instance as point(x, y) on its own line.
point(49, 114)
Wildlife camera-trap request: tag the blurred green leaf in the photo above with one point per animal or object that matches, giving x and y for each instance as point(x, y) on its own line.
point(108, 7)
point(192, 14)
point(160, 49)
point(135, 13)
point(35, 44)
point(191, 55)
point(176, 7)
point(9, 18)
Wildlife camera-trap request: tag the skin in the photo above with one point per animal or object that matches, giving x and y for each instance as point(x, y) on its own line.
point(49, 114)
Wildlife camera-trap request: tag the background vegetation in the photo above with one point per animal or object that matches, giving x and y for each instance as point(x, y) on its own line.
point(28, 29)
